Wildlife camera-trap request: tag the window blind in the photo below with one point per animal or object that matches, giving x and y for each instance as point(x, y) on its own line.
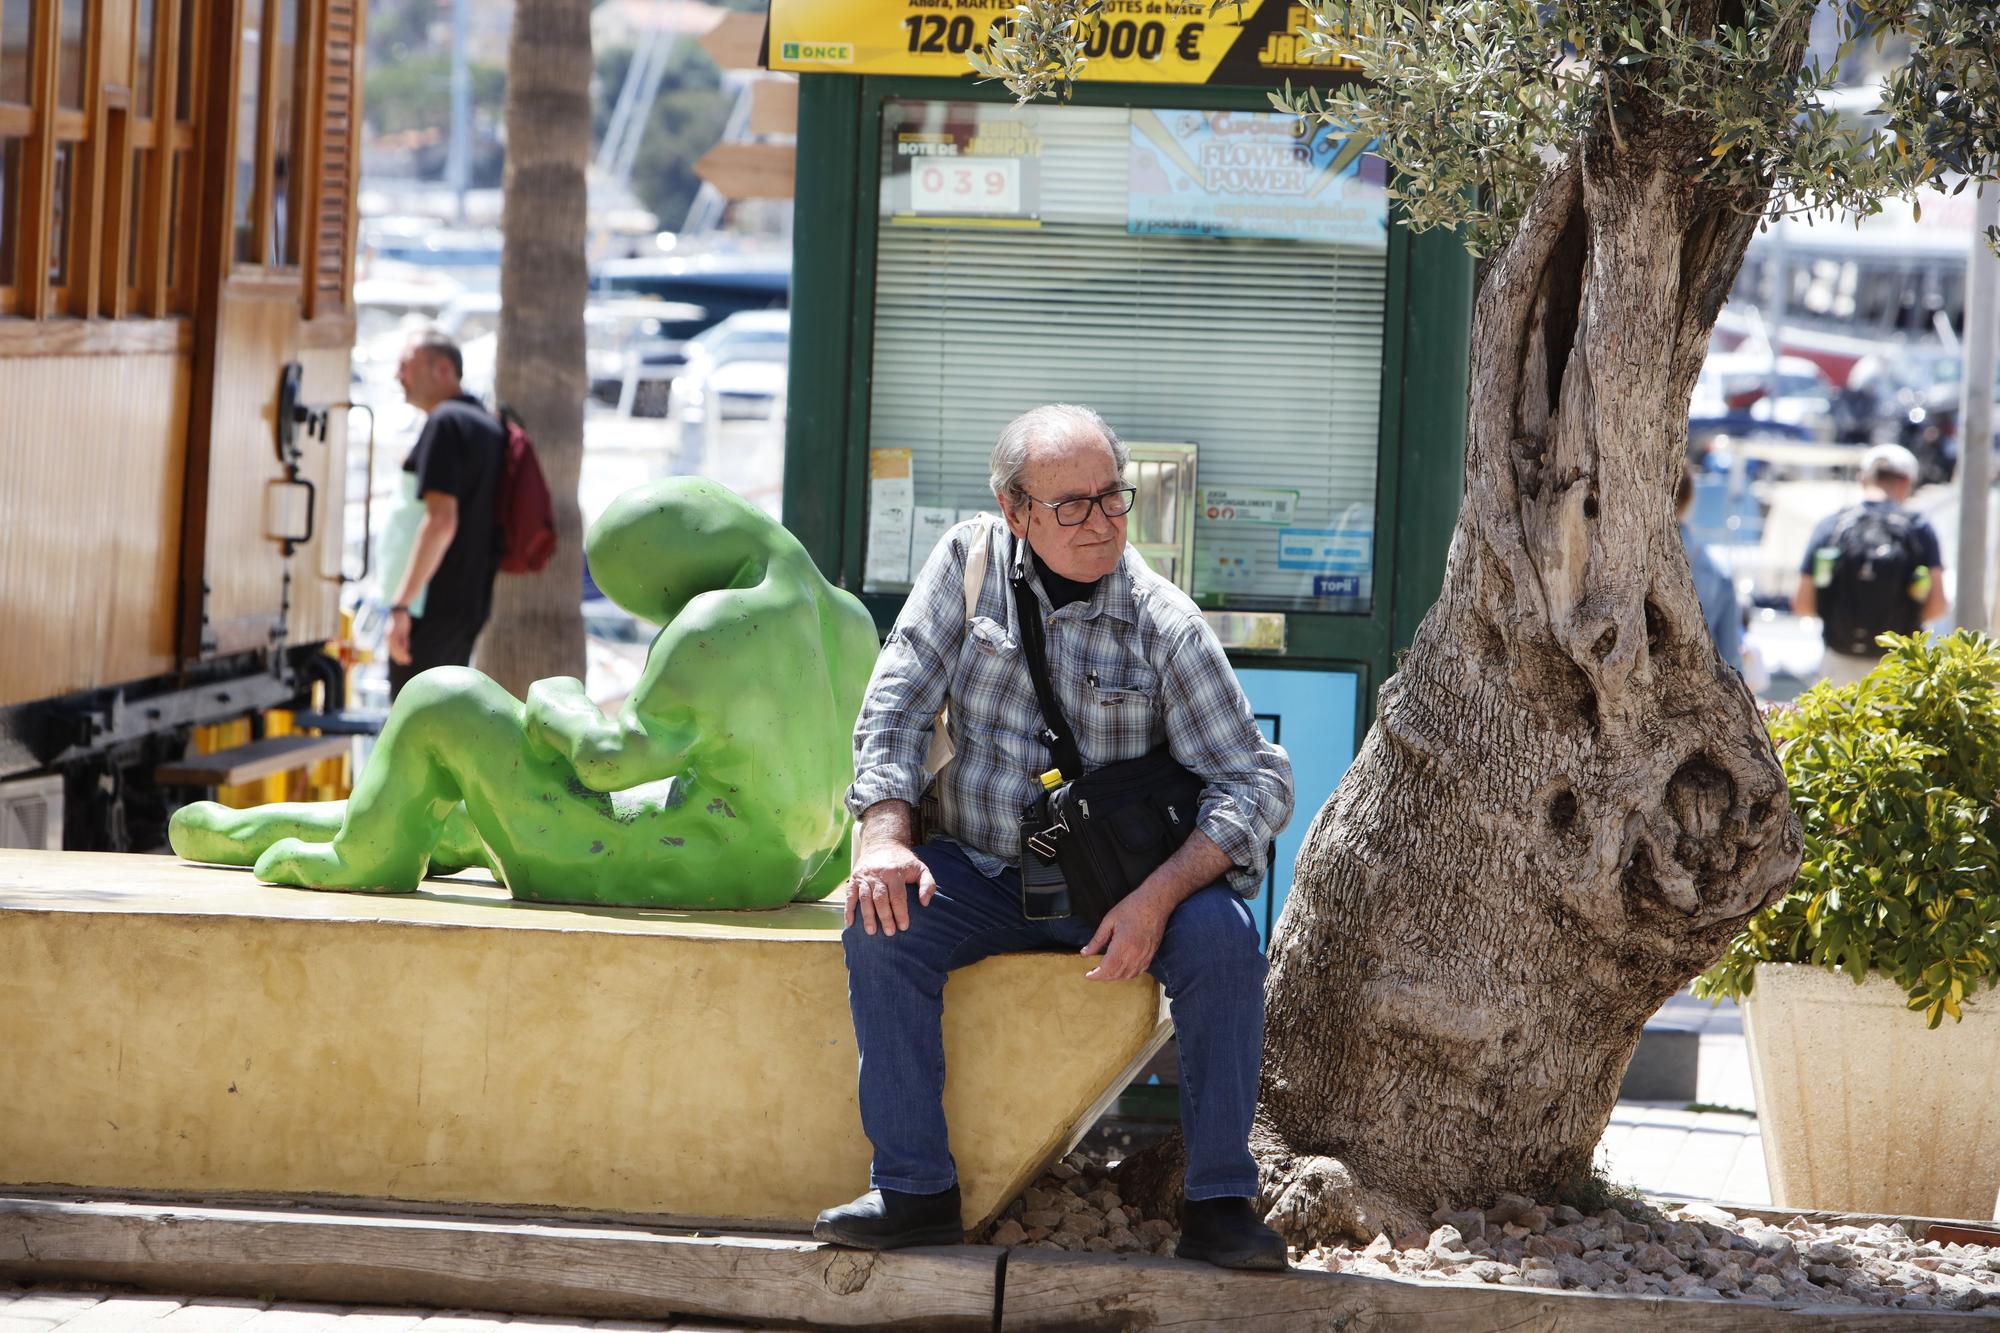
point(1266, 353)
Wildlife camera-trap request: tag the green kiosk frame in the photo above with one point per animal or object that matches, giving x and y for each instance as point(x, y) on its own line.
point(1317, 695)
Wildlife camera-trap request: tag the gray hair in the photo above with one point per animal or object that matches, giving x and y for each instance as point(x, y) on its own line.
point(1052, 423)
point(437, 342)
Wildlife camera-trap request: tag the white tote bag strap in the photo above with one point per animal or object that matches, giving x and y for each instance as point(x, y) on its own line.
point(940, 751)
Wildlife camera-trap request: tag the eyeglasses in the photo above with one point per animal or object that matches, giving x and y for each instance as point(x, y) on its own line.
point(1074, 513)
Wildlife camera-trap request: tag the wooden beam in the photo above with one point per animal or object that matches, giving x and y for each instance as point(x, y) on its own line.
point(82, 337)
point(151, 279)
point(749, 170)
point(1050, 1290)
point(734, 42)
point(549, 1268)
point(114, 284)
point(33, 240)
point(774, 105)
point(247, 763)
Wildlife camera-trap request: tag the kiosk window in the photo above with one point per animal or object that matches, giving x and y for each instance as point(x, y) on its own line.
point(1201, 277)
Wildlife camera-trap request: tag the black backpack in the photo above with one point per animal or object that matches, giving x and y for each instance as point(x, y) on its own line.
point(1875, 559)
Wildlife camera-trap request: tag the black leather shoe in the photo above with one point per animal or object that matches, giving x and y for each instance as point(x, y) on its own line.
point(890, 1220)
point(1229, 1234)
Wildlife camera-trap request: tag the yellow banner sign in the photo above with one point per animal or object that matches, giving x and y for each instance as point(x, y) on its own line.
point(1253, 45)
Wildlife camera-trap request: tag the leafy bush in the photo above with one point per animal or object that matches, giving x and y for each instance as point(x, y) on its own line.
point(1896, 780)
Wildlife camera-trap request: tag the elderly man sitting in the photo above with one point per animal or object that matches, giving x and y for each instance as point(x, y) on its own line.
point(1132, 664)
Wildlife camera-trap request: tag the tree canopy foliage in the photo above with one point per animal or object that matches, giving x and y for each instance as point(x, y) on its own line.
point(1469, 100)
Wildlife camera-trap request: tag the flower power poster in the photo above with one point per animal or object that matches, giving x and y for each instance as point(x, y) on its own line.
point(1252, 173)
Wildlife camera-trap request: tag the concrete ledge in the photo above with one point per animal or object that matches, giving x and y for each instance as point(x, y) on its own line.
point(184, 1029)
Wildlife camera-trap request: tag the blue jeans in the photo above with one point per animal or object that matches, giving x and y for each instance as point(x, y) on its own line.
point(1208, 961)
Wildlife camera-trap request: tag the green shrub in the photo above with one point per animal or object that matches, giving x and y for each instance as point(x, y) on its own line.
point(1895, 780)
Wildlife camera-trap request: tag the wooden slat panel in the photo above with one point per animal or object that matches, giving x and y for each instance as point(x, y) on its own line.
point(91, 465)
point(331, 261)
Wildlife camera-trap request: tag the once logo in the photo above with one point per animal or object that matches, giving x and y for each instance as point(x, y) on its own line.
point(819, 53)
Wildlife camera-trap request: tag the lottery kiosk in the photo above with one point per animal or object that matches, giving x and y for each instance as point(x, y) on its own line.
point(1233, 293)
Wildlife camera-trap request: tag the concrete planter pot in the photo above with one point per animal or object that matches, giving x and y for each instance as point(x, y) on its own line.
point(1863, 1109)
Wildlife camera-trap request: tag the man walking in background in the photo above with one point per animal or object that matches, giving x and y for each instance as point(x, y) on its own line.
point(447, 525)
point(1712, 584)
point(1874, 568)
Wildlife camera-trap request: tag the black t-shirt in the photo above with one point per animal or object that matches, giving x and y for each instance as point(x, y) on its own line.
point(460, 453)
point(1061, 591)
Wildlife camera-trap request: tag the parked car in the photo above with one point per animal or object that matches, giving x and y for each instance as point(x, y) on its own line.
point(735, 373)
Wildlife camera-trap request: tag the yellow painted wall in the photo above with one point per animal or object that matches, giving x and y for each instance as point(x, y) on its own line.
point(185, 1029)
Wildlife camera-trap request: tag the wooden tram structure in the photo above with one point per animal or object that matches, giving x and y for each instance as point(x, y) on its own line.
point(177, 235)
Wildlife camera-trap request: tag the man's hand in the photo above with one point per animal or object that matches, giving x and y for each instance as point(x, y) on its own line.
point(884, 868)
point(399, 637)
point(1129, 935)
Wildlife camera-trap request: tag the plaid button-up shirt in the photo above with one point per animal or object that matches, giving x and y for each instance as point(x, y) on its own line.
point(1133, 665)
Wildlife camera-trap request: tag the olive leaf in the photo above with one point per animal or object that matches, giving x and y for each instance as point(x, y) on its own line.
point(1895, 780)
point(1469, 100)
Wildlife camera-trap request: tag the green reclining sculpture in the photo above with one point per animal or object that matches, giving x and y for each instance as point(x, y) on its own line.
point(718, 785)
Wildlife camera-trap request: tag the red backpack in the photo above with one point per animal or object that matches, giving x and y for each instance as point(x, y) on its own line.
point(522, 508)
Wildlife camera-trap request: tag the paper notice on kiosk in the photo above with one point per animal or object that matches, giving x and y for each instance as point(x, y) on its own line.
point(927, 529)
point(891, 502)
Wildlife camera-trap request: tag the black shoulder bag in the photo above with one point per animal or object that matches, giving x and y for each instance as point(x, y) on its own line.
point(1111, 827)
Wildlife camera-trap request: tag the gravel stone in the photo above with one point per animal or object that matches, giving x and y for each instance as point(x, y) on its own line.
point(1470, 1222)
point(1694, 1251)
point(1653, 1259)
point(1541, 1273)
point(1551, 1246)
point(1767, 1284)
point(1508, 1208)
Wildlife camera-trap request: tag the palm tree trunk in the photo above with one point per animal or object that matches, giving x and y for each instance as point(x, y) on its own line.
point(537, 625)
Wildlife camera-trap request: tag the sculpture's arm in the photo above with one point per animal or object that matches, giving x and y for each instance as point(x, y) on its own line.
point(609, 754)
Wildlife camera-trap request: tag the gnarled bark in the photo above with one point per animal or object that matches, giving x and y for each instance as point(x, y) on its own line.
point(1567, 804)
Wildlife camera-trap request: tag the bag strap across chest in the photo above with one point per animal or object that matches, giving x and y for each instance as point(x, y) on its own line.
point(1056, 733)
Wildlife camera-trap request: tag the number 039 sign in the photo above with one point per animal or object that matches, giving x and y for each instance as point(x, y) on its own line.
point(966, 185)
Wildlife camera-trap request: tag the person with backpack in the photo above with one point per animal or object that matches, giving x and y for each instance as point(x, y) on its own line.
point(1873, 568)
point(450, 523)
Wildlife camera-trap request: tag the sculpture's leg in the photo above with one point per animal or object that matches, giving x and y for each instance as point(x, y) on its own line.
point(448, 722)
point(222, 835)
point(831, 873)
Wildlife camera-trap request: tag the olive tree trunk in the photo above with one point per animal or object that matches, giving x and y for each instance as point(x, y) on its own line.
point(1568, 803)
point(537, 624)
